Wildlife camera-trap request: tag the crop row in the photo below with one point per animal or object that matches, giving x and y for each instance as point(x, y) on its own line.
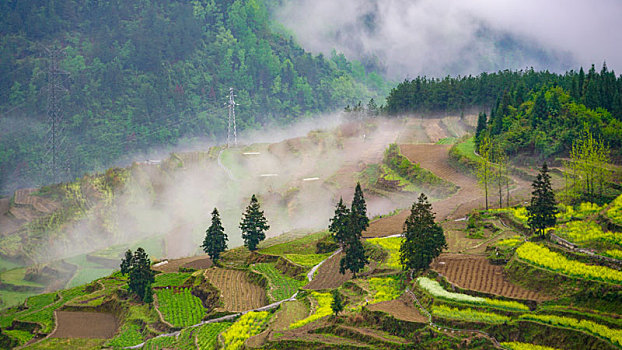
point(322, 309)
point(615, 211)
point(436, 290)
point(524, 346)
point(207, 335)
point(613, 335)
point(128, 336)
point(588, 231)
point(585, 209)
point(387, 288)
point(281, 286)
point(547, 259)
point(468, 315)
point(246, 326)
point(180, 307)
point(392, 246)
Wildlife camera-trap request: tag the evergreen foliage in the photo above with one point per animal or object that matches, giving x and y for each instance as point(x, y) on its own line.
point(543, 208)
point(140, 275)
point(481, 126)
point(339, 223)
point(215, 241)
point(337, 304)
point(359, 209)
point(253, 225)
point(423, 239)
point(354, 223)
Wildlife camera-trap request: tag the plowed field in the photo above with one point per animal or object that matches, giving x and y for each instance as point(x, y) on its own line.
point(236, 291)
point(328, 276)
point(401, 308)
point(476, 273)
point(73, 324)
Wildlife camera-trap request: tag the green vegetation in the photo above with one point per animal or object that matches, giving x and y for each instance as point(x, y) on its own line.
point(387, 288)
point(215, 241)
point(525, 346)
point(588, 232)
point(615, 211)
point(253, 225)
point(129, 335)
point(543, 208)
point(180, 307)
point(171, 279)
point(392, 246)
point(435, 289)
point(246, 326)
point(468, 314)
point(140, 276)
point(543, 257)
point(281, 286)
point(302, 246)
point(146, 75)
point(307, 260)
point(207, 335)
point(424, 239)
point(323, 309)
point(612, 335)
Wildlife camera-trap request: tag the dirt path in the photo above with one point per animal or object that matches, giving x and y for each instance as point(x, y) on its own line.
point(470, 195)
point(195, 262)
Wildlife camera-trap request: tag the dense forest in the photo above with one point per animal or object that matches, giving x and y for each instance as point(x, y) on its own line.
point(422, 94)
point(135, 75)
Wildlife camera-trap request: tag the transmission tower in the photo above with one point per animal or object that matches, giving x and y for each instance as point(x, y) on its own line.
point(231, 133)
point(55, 91)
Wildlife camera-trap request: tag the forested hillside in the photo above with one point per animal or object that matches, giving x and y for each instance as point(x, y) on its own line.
point(146, 73)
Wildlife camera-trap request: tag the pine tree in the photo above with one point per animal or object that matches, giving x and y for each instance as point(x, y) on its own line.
point(359, 209)
point(148, 296)
point(339, 223)
point(215, 241)
point(423, 239)
point(541, 212)
point(138, 267)
point(253, 225)
point(354, 258)
point(481, 126)
point(337, 304)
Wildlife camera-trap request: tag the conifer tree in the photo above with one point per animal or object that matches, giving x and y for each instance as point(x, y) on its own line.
point(423, 239)
point(484, 170)
point(215, 241)
point(337, 304)
point(540, 110)
point(541, 212)
point(339, 223)
point(354, 258)
point(148, 296)
point(138, 267)
point(359, 209)
point(481, 126)
point(253, 225)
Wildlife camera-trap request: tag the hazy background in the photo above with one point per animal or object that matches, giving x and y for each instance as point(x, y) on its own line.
point(406, 38)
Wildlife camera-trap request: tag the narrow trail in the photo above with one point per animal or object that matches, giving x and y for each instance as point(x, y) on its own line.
point(470, 195)
point(223, 167)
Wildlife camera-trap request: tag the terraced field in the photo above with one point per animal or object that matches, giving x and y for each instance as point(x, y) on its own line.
point(476, 273)
point(236, 291)
point(401, 308)
point(73, 324)
point(328, 276)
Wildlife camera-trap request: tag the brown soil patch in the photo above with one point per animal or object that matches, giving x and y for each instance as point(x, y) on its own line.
point(44, 205)
point(199, 264)
point(72, 324)
point(401, 308)
point(477, 273)
point(328, 275)
point(195, 262)
point(236, 291)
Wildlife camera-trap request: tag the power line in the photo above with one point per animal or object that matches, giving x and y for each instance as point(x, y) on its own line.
point(231, 104)
point(55, 134)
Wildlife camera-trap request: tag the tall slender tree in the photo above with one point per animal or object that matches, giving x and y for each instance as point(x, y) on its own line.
point(215, 241)
point(354, 258)
point(481, 126)
point(541, 212)
point(337, 304)
point(359, 209)
point(423, 239)
point(253, 225)
point(339, 223)
point(484, 171)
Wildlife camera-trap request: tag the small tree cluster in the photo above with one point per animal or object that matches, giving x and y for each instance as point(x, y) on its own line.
point(137, 266)
point(589, 159)
point(423, 239)
point(347, 226)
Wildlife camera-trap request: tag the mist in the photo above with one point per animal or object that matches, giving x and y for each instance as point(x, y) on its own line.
point(406, 38)
point(297, 180)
